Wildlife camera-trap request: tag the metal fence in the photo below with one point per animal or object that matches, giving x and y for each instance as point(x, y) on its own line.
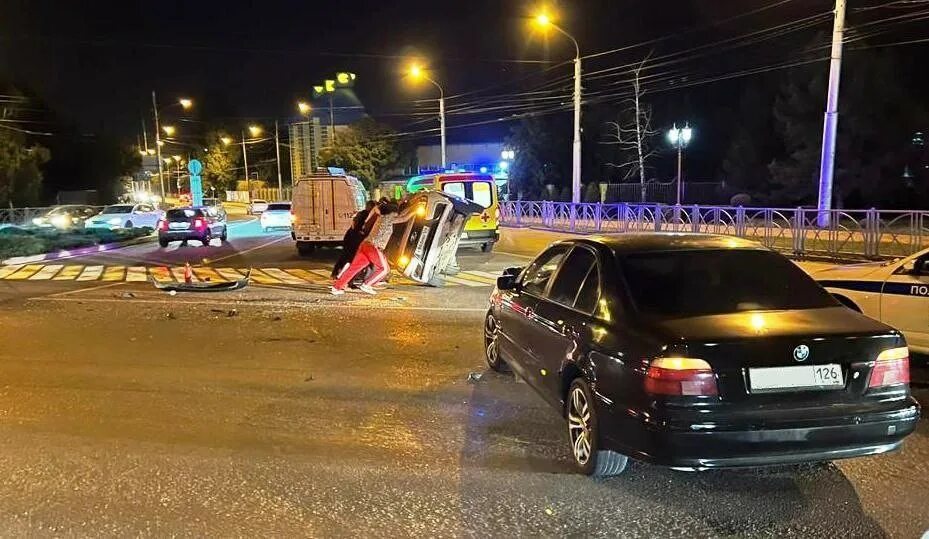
point(665, 193)
point(870, 234)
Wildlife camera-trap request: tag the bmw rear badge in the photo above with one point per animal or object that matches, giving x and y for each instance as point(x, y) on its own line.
point(801, 352)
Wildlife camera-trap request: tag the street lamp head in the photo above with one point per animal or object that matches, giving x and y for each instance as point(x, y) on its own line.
point(543, 20)
point(416, 72)
point(161, 143)
point(186, 103)
point(176, 158)
point(169, 130)
point(255, 130)
point(674, 135)
point(150, 151)
point(226, 140)
point(686, 134)
point(304, 107)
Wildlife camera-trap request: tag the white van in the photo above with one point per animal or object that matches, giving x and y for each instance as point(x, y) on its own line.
point(323, 207)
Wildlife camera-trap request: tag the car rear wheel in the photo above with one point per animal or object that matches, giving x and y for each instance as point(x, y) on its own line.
point(206, 241)
point(583, 431)
point(225, 235)
point(128, 224)
point(162, 242)
point(487, 247)
point(492, 345)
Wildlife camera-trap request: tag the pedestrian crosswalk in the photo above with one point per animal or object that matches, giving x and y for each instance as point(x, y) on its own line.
point(168, 274)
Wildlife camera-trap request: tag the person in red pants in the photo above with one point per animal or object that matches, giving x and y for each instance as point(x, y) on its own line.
point(371, 250)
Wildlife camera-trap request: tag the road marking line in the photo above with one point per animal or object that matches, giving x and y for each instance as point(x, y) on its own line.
point(26, 272)
point(161, 274)
point(304, 275)
point(90, 273)
point(487, 274)
point(46, 273)
point(9, 270)
point(208, 274)
point(323, 274)
point(261, 278)
point(114, 273)
point(69, 273)
point(239, 253)
point(80, 290)
point(476, 278)
point(283, 276)
point(136, 274)
point(229, 274)
point(456, 280)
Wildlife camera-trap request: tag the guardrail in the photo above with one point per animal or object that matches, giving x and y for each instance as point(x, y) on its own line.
point(871, 234)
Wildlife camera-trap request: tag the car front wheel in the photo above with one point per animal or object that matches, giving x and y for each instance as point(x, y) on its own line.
point(492, 345)
point(583, 431)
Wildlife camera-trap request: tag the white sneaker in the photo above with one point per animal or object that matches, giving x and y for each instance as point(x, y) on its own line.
point(367, 289)
point(335, 291)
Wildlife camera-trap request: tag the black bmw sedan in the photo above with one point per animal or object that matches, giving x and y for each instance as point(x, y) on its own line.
point(698, 351)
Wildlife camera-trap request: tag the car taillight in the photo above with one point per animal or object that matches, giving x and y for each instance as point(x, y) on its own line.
point(892, 367)
point(162, 224)
point(199, 223)
point(293, 217)
point(680, 376)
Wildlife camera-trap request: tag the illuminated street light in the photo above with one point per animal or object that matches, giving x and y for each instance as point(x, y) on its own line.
point(176, 158)
point(544, 21)
point(417, 73)
point(680, 138)
point(226, 140)
point(185, 103)
point(255, 130)
point(304, 107)
point(169, 130)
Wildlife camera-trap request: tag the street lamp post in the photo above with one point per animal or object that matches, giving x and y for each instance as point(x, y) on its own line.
point(680, 138)
point(185, 104)
point(416, 72)
point(277, 151)
point(306, 110)
point(248, 180)
point(545, 21)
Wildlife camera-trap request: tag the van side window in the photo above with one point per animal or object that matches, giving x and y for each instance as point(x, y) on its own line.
point(482, 194)
point(454, 188)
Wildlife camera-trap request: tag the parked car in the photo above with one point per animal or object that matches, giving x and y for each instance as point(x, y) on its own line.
point(277, 215)
point(65, 217)
point(216, 205)
point(199, 223)
point(126, 216)
point(257, 206)
point(698, 351)
point(894, 292)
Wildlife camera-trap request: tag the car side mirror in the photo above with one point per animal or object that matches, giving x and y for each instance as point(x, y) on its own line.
point(915, 267)
point(507, 282)
point(513, 271)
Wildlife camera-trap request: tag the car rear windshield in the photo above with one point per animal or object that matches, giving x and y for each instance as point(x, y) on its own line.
point(117, 209)
point(182, 214)
point(696, 283)
point(278, 207)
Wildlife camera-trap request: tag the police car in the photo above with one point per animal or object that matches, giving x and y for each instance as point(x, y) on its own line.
point(895, 292)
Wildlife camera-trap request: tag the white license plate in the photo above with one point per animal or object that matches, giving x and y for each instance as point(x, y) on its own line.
point(800, 377)
point(421, 244)
point(178, 226)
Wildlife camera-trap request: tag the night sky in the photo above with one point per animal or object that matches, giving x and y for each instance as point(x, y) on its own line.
point(95, 63)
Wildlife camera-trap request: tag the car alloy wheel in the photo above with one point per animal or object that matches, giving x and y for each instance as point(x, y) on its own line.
point(579, 425)
point(492, 345)
point(585, 437)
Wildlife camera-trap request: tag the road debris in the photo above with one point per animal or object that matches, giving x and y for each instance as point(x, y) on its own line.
point(474, 377)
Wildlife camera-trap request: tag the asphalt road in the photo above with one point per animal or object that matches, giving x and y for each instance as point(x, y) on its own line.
point(279, 410)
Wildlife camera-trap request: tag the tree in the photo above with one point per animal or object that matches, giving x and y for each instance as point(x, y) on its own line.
point(20, 173)
point(632, 133)
point(366, 149)
point(543, 156)
point(221, 163)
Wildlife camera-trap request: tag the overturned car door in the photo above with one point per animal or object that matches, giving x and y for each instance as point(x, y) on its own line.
point(423, 247)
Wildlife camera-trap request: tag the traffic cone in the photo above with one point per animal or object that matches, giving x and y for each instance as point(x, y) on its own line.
point(188, 273)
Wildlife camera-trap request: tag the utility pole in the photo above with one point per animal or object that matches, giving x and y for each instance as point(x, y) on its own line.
point(830, 125)
point(277, 150)
point(161, 178)
point(442, 127)
point(248, 179)
point(576, 159)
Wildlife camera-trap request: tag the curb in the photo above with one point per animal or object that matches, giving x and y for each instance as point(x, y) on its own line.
point(81, 251)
